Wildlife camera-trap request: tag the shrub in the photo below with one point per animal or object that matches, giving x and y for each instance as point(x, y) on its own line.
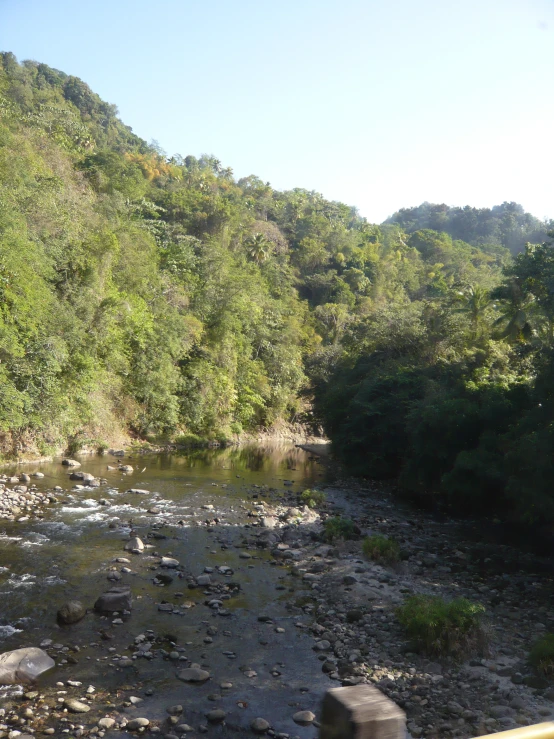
point(442, 627)
point(381, 549)
point(313, 498)
point(340, 528)
point(541, 655)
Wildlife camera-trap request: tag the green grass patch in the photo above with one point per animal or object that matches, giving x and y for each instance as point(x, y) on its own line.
point(441, 627)
point(381, 549)
point(313, 498)
point(541, 655)
point(340, 528)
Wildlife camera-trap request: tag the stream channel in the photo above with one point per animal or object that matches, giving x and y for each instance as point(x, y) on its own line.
point(68, 552)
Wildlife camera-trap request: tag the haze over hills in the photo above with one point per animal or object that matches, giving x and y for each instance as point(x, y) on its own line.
point(157, 296)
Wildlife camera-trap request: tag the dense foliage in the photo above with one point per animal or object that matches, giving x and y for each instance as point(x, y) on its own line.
point(159, 295)
point(506, 225)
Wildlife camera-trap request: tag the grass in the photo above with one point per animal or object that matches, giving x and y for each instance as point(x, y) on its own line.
point(340, 528)
point(441, 627)
point(312, 498)
point(381, 549)
point(541, 655)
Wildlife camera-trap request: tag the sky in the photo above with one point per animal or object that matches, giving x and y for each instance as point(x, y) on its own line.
point(380, 105)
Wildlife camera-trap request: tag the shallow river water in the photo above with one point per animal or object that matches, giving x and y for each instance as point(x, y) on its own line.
point(67, 555)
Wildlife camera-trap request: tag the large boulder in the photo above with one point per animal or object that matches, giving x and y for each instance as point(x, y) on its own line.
point(84, 476)
point(71, 612)
point(23, 665)
point(115, 599)
point(134, 545)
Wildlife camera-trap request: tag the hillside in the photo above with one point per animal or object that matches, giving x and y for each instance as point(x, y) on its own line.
point(506, 225)
point(158, 296)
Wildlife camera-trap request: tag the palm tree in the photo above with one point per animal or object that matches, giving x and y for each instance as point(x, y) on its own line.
point(258, 247)
point(516, 313)
point(474, 303)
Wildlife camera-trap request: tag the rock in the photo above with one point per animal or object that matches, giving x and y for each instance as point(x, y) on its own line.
point(139, 491)
point(137, 723)
point(245, 555)
point(500, 711)
point(23, 665)
point(349, 579)
point(37, 474)
point(75, 706)
point(169, 562)
point(354, 615)
point(154, 510)
point(216, 716)
point(268, 522)
point(115, 599)
point(303, 718)
point(134, 544)
point(125, 468)
point(176, 710)
point(71, 463)
point(106, 723)
point(193, 675)
point(259, 725)
point(204, 580)
point(71, 612)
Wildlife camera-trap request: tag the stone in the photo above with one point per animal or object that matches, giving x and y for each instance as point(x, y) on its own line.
point(125, 468)
point(204, 580)
point(360, 712)
point(303, 718)
point(75, 706)
point(71, 463)
point(23, 665)
point(169, 562)
point(115, 599)
point(137, 723)
point(193, 675)
point(176, 710)
point(71, 612)
point(139, 491)
point(106, 723)
point(134, 544)
point(259, 725)
point(216, 716)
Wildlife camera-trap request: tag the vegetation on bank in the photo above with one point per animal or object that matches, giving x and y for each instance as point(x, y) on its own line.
point(381, 549)
point(159, 296)
point(441, 627)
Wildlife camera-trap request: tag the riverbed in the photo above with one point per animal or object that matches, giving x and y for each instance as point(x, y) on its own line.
point(204, 512)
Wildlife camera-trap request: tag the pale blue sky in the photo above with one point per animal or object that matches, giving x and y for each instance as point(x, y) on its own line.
point(381, 105)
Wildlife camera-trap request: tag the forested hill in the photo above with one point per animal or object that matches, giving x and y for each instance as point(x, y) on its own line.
point(158, 295)
point(506, 225)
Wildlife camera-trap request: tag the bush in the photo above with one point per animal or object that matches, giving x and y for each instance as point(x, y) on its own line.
point(440, 627)
point(541, 655)
point(340, 528)
point(313, 498)
point(381, 549)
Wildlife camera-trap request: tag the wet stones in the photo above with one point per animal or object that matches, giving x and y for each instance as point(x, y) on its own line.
point(116, 599)
point(71, 612)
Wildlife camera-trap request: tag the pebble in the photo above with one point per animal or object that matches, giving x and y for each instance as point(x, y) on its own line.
point(259, 725)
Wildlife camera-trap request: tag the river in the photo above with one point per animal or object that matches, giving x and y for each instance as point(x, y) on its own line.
point(69, 552)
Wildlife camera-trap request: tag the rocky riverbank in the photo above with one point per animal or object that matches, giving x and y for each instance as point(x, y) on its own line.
point(216, 669)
